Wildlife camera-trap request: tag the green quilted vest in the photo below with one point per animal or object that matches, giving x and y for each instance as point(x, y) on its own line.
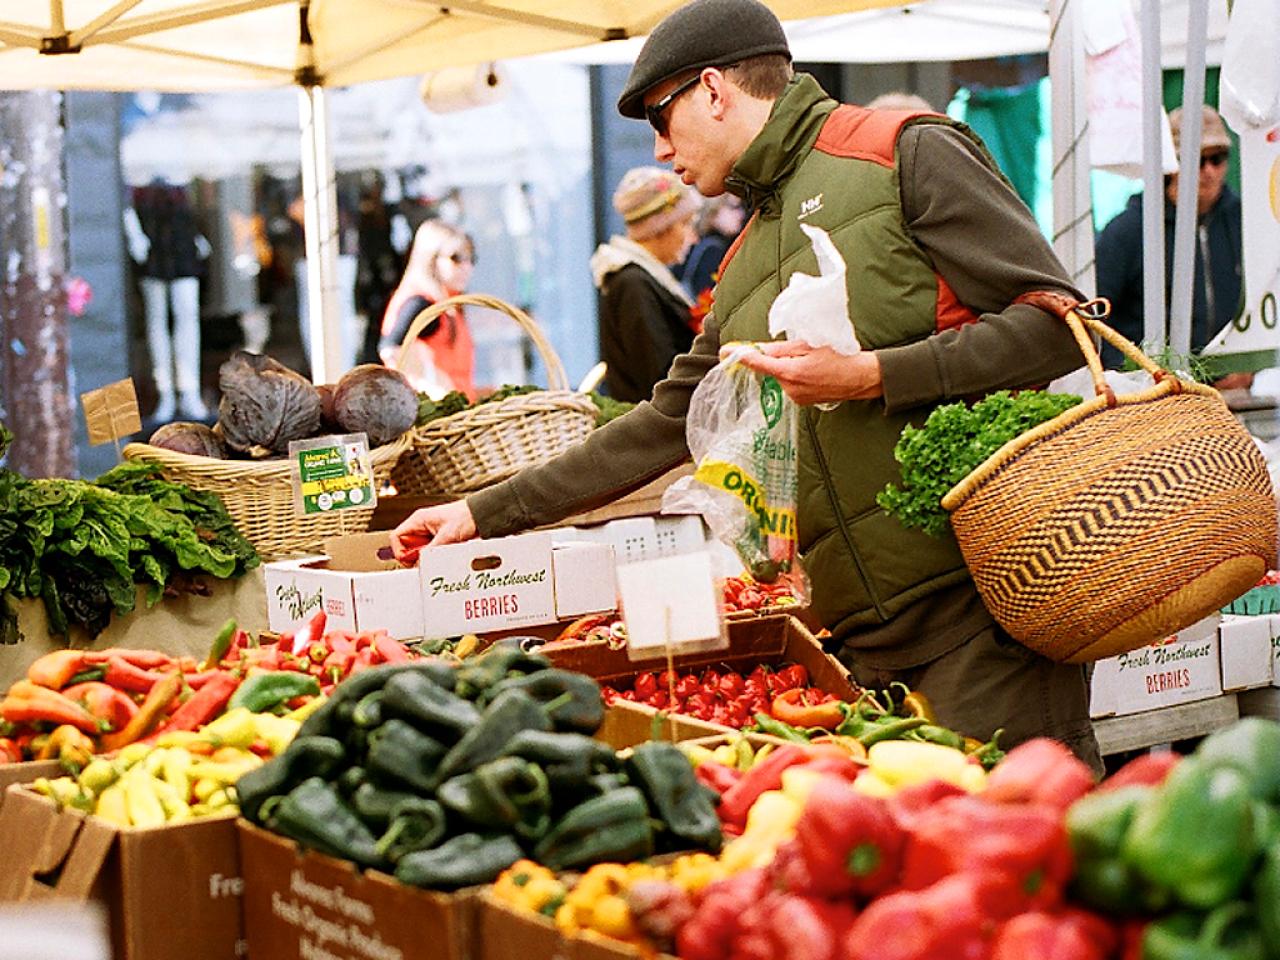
point(835, 168)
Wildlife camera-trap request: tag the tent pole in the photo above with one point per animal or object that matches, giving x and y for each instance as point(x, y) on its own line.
point(1072, 197)
point(321, 235)
point(1153, 326)
point(1184, 224)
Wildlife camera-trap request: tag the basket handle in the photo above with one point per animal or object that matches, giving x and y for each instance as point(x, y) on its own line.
point(556, 377)
point(1086, 317)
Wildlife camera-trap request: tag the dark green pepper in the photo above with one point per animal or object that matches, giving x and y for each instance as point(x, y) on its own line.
point(417, 823)
point(509, 793)
point(351, 780)
point(1266, 898)
point(428, 706)
point(368, 711)
point(603, 783)
point(578, 705)
point(568, 759)
point(1252, 746)
point(305, 757)
point(509, 713)
point(401, 754)
point(1096, 824)
point(464, 861)
point(375, 804)
point(1195, 836)
point(328, 716)
point(261, 692)
point(313, 814)
point(613, 826)
point(688, 814)
point(776, 728)
point(502, 660)
point(932, 733)
point(1226, 933)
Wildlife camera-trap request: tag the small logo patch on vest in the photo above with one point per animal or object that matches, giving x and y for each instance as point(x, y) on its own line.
point(810, 206)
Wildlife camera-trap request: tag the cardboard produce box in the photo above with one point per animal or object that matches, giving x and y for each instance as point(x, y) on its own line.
point(171, 891)
point(1181, 668)
point(1244, 645)
point(26, 772)
point(1273, 623)
point(506, 932)
point(773, 639)
point(302, 905)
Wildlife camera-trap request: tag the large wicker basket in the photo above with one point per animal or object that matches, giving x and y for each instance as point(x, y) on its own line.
point(1120, 521)
point(259, 496)
point(492, 441)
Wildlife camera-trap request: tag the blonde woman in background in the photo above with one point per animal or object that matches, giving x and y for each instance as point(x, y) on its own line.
point(442, 356)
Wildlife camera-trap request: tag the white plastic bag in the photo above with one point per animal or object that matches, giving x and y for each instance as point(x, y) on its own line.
point(741, 429)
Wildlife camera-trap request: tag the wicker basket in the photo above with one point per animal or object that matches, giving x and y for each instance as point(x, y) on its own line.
point(1120, 521)
point(259, 496)
point(492, 441)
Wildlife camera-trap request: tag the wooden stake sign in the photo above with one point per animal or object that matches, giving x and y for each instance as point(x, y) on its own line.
point(111, 412)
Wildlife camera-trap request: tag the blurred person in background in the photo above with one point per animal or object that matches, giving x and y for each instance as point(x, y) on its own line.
point(1218, 276)
point(901, 100)
point(644, 311)
point(442, 356)
point(718, 224)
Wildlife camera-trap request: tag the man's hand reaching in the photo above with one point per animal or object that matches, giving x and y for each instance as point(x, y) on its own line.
point(810, 375)
point(432, 526)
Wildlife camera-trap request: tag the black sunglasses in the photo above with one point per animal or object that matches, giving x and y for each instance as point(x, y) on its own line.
point(1217, 158)
point(655, 112)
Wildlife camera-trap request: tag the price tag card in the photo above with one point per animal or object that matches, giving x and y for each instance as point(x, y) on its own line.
point(332, 473)
point(671, 605)
point(111, 412)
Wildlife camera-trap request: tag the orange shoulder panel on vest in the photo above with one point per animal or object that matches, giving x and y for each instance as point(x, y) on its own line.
point(853, 131)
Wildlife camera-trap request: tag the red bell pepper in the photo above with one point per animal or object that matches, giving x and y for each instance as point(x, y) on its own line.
point(1070, 935)
point(1039, 771)
point(848, 842)
point(1027, 842)
point(767, 775)
point(784, 926)
point(205, 704)
point(1149, 769)
point(124, 675)
point(55, 670)
point(114, 707)
point(29, 703)
point(909, 804)
point(954, 919)
point(717, 922)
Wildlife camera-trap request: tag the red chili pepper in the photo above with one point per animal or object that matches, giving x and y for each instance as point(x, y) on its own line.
point(343, 641)
point(801, 709)
point(312, 631)
point(686, 686)
point(115, 707)
point(767, 775)
point(337, 666)
point(30, 703)
point(608, 694)
point(660, 700)
point(731, 685)
point(1039, 771)
point(645, 685)
point(205, 704)
point(55, 670)
point(389, 650)
point(143, 659)
point(124, 675)
point(794, 675)
point(10, 752)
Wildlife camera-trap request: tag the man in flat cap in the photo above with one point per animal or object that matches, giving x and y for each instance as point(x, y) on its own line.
point(942, 256)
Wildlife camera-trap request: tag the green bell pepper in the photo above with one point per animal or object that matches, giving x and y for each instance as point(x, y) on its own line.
point(574, 698)
point(261, 692)
point(305, 757)
point(1225, 933)
point(467, 859)
point(1096, 824)
point(1266, 898)
point(1195, 836)
point(1252, 746)
point(416, 823)
point(510, 712)
point(508, 793)
point(663, 773)
point(313, 814)
point(502, 660)
point(428, 706)
point(402, 755)
point(613, 826)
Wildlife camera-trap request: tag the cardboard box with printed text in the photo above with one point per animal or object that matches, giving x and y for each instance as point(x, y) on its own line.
point(1181, 668)
point(171, 891)
point(1245, 649)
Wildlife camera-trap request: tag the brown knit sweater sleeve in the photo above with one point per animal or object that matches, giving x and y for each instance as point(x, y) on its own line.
point(984, 242)
point(614, 460)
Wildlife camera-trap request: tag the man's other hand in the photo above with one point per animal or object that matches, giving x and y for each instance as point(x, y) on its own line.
point(810, 375)
point(432, 526)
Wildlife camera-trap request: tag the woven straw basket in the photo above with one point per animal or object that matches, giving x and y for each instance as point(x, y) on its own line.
point(492, 441)
point(259, 496)
point(1121, 520)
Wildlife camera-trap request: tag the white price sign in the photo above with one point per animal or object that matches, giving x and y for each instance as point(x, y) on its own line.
point(671, 604)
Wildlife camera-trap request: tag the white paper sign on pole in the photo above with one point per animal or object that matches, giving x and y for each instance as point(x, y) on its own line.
point(671, 604)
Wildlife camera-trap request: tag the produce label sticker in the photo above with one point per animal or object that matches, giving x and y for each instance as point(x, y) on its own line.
point(111, 412)
point(332, 473)
point(671, 606)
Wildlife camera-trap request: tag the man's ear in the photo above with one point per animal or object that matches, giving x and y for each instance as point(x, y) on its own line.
point(720, 92)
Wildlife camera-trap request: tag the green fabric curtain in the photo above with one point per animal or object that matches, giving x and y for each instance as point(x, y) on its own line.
point(1009, 121)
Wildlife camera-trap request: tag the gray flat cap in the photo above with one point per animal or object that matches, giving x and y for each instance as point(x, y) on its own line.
point(704, 33)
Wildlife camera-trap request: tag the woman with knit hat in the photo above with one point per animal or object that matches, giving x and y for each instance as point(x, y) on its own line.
point(644, 311)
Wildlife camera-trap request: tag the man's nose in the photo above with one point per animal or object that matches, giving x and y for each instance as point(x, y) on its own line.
point(662, 150)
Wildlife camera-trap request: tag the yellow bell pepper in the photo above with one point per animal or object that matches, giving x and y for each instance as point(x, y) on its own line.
point(904, 763)
point(529, 885)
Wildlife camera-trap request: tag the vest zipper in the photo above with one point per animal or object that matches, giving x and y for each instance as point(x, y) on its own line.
point(839, 515)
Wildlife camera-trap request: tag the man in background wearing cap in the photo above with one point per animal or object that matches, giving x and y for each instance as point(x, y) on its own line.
point(1217, 285)
point(644, 310)
point(942, 256)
